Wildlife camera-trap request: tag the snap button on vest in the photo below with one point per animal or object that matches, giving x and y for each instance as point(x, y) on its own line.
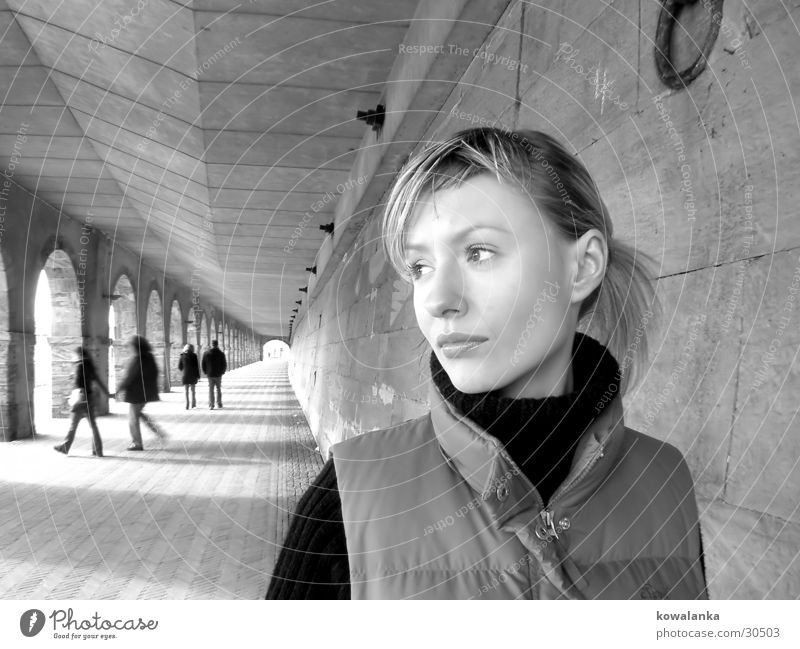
point(502, 492)
point(564, 523)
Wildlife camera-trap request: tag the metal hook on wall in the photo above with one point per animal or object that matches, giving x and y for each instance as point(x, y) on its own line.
point(670, 10)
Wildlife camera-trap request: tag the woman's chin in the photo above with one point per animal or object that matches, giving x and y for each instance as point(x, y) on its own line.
point(472, 383)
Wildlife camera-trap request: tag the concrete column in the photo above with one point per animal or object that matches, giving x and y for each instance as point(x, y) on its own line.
point(66, 329)
point(98, 349)
point(168, 363)
point(9, 416)
point(62, 349)
point(16, 385)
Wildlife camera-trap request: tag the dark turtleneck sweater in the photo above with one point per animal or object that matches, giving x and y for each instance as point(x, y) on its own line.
point(540, 435)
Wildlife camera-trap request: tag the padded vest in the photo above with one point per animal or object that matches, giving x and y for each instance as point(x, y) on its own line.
point(435, 508)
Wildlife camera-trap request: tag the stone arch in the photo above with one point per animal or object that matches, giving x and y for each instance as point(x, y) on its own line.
point(276, 349)
point(58, 327)
point(124, 275)
point(154, 332)
point(122, 324)
point(176, 340)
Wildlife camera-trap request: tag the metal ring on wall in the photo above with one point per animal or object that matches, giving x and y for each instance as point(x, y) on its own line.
point(670, 9)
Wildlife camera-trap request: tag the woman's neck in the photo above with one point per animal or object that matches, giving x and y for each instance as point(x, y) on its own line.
point(551, 378)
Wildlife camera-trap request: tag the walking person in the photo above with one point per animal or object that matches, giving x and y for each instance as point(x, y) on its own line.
point(140, 386)
point(82, 401)
point(522, 482)
point(191, 372)
point(214, 366)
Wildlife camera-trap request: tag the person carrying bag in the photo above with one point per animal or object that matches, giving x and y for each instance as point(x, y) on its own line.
point(81, 402)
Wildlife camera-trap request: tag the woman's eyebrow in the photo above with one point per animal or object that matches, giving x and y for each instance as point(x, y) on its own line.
point(423, 244)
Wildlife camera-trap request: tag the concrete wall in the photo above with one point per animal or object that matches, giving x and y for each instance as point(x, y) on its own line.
point(31, 230)
point(712, 201)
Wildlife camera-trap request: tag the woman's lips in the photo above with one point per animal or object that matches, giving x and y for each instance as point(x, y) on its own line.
point(461, 348)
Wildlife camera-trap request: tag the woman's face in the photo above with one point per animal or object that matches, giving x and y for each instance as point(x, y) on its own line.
point(492, 288)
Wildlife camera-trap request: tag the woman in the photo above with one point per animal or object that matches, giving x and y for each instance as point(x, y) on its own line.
point(140, 386)
point(522, 481)
point(83, 404)
point(190, 367)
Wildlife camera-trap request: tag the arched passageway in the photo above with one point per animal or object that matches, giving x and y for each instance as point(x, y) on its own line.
point(203, 335)
point(193, 330)
point(275, 349)
point(57, 318)
point(121, 326)
point(175, 342)
point(213, 331)
point(154, 332)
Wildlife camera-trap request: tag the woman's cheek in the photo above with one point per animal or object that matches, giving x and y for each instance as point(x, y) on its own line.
point(420, 313)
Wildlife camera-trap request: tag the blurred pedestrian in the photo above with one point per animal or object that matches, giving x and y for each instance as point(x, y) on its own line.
point(214, 365)
point(81, 401)
point(140, 386)
point(190, 367)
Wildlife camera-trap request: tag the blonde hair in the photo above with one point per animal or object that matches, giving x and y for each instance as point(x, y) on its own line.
point(562, 188)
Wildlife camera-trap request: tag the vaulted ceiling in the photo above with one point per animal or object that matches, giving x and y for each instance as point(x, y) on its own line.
point(200, 134)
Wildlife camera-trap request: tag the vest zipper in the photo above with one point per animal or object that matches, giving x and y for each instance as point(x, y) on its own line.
point(547, 519)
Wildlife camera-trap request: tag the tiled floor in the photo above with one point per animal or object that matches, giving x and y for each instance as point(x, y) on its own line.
point(202, 516)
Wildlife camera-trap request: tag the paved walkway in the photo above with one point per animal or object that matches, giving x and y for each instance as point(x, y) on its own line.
point(201, 517)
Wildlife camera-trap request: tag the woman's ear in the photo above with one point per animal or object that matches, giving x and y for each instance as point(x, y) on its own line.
point(591, 257)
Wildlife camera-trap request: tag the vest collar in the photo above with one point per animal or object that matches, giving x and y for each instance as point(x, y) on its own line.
point(488, 469)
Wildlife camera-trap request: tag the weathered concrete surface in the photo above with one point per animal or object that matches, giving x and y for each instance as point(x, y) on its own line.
point(764, 473)
point(754, 555)
point(688, 385)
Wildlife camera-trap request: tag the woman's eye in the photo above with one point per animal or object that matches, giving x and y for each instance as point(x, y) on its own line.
point(479, 254)
point(416, 270)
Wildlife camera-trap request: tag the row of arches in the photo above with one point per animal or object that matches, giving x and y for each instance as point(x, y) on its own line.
point(61, 308)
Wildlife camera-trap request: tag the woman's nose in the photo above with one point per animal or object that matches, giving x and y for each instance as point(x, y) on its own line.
point(445, 291)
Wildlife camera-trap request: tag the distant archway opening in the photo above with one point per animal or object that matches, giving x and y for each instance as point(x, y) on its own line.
point(121, 326)
point(57, 327)
point(276, 349)
point(203, 334)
